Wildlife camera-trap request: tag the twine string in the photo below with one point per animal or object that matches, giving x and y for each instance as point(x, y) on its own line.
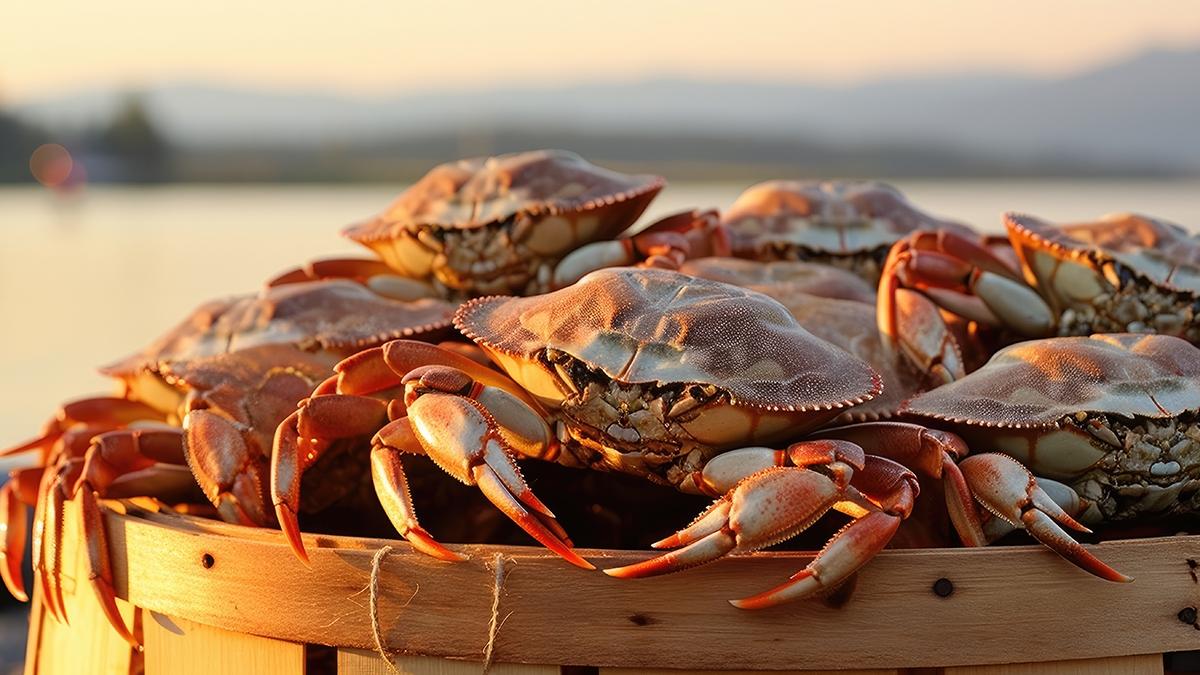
point(494, 622)
point(376, 630)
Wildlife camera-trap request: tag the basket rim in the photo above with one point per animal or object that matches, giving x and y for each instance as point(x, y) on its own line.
point(556, 613)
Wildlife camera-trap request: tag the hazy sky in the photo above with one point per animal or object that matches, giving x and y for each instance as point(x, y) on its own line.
point(378, 46)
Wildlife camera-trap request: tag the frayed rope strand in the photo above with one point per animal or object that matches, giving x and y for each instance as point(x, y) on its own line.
point(376, 631)
point(495, 622)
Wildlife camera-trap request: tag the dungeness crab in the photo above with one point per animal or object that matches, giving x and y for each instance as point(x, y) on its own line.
point(643, 371)
point(846, 224)
point(206, 395)
point(1123, 273)
point(500, 224)
point(1116, 417)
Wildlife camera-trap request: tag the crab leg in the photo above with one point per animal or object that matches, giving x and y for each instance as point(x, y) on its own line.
point(231, 474)
point(304, 437)
point(47, 532)
point(1007, 489)
point(809, 479)
point(961, 276)
point(391, 484)
point(360, 402)
point(370, 272)
point(100, 413)
point(665, 243)
point(130, 461)
point(932, 453)
point(16, 494)
point(478, 444)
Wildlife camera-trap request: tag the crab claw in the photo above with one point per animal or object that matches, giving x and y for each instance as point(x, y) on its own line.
point(15, 494)
point(303, 437)
point(765, 508)
point(851, 548)
point(465, 440)
point(1006, 488)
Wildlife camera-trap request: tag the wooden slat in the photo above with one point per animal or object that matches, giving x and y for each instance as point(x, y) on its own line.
point(362, 662)
point(676, 671)
point(181, 647)
point(1140, 664)
point(560, 614)
point(87, 644)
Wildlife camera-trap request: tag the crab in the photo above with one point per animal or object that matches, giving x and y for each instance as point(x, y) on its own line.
point(643, 371)
point(833, 304)
point(206, 396)
point(846, 224)
point(1122, 273)
point(1116, 418)
point(493, 225)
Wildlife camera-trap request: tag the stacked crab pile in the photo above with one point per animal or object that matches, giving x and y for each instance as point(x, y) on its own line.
point(814, 347)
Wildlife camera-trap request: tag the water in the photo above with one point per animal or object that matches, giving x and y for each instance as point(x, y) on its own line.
point(88, 279)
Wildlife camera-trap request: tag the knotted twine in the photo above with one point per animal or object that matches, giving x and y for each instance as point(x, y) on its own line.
point(494, 623)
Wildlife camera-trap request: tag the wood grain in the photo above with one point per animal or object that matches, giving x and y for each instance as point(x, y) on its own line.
point(676, 671)
point(87, 644)
point(559, 614)
point(1141, 664)
point(181, 647)
point(362, 662)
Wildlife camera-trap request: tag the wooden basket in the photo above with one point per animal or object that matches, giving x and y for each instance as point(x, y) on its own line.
point(210, 597)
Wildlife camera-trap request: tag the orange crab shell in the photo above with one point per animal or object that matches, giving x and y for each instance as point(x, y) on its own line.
point(1161, 251)
point(657, 326)
point(335, 315)
point(832, 217)
point(474, 193)
point(783, 277)
point(1037, 383)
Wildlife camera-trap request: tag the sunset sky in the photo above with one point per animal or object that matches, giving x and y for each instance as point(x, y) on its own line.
point(382, 46)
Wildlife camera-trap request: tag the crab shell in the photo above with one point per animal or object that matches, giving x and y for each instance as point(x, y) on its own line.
point(648, 326)
point(544, 204)
point(333, 317)
point(1122, 272)
point(253, 390)
point(1063, 407)
point(834, 305)
point(848, 224)
point(780, 277)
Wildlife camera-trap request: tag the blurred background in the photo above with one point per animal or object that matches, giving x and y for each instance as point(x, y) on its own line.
point(153, 155)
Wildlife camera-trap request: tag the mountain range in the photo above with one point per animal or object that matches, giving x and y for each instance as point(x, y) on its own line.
point(1142, 111)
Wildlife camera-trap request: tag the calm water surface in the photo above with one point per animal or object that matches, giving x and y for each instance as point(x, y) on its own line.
point(87, 279)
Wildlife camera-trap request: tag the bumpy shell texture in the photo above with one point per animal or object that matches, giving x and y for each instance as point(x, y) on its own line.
point(475, 192)
point(838, 217)
point(330, 314)
point(783, 277)
point(656, 326)
point(1037, 383)
point(1163, 252)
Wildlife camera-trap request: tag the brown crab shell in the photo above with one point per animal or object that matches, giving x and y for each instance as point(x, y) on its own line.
point(337, 316)
point(783, 277)
point(1035, 384)
point(1162, 252)
point(531, 186)
point(833, 304)
point(649, 326)
point(831, 217)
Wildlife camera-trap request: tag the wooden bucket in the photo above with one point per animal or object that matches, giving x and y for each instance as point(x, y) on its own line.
point(210, 597)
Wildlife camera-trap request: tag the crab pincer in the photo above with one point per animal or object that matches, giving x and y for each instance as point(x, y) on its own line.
point(795, 488)
point(416, 398)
